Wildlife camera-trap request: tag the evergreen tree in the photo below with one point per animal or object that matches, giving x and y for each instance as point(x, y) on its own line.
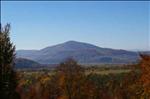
point(7, 74)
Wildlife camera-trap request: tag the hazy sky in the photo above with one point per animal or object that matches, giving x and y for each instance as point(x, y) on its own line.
point(119, 25)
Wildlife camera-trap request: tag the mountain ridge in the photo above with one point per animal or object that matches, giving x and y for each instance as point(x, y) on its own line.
point(80, 51)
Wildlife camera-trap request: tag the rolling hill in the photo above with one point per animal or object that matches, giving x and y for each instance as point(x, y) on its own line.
point(82, 52)
point(26, 63)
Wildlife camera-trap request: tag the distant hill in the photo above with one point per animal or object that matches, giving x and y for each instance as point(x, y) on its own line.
point(145, 52)
point(26, 63)
point(82, 52)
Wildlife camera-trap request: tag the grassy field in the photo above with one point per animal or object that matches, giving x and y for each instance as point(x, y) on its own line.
point(106, 72)
point(87, 71)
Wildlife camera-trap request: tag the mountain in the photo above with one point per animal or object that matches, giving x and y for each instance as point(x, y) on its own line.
point(82, 52)
point(26, 63)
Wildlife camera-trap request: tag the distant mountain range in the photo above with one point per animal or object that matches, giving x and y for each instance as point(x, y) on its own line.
point(82, 52)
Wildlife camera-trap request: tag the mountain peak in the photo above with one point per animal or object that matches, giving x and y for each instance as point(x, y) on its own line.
point(76, 45)
point(72, 42)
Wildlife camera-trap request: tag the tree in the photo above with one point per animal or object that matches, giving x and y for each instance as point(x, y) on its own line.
point(70, 76)
point(136, 84)
point(74, 83)
point(145, 75)
point(7, 74)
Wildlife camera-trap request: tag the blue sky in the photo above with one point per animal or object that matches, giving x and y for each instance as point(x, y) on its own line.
point(119, 25)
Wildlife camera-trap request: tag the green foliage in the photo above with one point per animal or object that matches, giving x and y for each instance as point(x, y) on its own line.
point(7, 74)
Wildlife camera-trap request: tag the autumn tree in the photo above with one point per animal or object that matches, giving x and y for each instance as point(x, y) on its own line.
point(70, 79)
point(145, 75)
point(136, 84)
point(7, 74)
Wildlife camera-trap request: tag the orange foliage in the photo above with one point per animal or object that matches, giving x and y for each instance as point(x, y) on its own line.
point(145, 76)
